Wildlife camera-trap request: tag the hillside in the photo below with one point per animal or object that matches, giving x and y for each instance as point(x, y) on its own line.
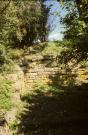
point(36, 83)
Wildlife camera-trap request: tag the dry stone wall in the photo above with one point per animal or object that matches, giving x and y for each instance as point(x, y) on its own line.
point(55, 75)
point(39, 75)
point(35, 72)
point(39, 69)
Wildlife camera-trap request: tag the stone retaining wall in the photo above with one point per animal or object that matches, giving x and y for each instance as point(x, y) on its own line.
point(55, 75)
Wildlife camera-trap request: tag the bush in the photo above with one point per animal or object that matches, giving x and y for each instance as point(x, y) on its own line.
point(7, 67)
point(2, 54)
point(15, 54)
point(5, 94)
point(53, 48)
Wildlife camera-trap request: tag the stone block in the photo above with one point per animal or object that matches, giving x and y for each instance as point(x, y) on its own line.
point(32, 74)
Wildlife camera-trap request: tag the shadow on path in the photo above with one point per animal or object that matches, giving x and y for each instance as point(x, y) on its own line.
point(60, 113)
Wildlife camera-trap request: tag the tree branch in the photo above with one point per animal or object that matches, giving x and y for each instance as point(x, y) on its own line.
point(6, 6)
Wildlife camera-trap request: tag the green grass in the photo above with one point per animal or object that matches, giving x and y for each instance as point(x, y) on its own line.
point(5, 94)
point(53, 48)
point(42, 88)
point(45, 88)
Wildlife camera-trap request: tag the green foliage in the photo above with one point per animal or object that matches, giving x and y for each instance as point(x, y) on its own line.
point(7, 68)
point(15, 54)
point(22, 23)
point(13, 125)
point(2, 54)
point(76, 32)
point(53, 48)
point(41, 87)
point(5, 94)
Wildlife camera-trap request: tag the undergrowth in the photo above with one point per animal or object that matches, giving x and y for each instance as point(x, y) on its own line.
point(5, 95)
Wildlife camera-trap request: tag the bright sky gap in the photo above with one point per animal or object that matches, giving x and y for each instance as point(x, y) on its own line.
point(56, 28)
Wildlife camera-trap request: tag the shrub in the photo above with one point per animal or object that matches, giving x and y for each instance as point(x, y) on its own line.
point(15, 54)
point(5, 94)
point(53, 48)
point(2, 54)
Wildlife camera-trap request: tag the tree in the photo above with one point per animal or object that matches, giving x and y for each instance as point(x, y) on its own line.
point(21, 24)
point(24, 22)
point(76, 24)
point(43, 29)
